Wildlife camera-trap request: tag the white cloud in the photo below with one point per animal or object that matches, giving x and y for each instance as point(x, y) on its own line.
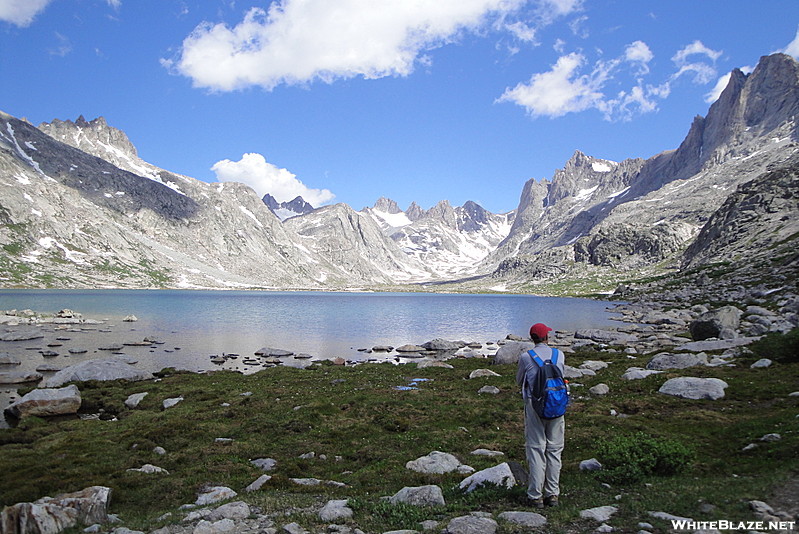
point(639, 53)
point(793, 47)
point(564, 89)
point(721, 84)
point(301, 41)
point(253, 170)
point(703, 72)
point(21, 12)
point(557, 92)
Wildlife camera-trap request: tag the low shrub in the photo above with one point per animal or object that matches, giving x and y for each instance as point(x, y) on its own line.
point(783, 348)
point(633, 458)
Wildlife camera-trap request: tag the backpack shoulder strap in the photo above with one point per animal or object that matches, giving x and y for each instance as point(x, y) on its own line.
point(555, 354)
point(536, 358)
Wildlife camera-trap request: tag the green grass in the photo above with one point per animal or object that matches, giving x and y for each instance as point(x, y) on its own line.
point(368, 430)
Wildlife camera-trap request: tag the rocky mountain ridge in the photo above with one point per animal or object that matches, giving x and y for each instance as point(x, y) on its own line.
point(595, 219)
point(641, 215)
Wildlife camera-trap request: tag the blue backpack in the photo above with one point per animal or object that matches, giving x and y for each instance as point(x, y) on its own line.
point(550, 394)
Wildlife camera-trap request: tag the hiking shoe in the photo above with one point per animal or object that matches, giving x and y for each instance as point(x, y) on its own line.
point(552, 500)
point(537, 503)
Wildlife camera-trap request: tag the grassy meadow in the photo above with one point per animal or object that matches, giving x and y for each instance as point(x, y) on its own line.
point(368, 429)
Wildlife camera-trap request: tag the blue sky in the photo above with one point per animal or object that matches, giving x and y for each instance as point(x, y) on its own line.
point(415, 100)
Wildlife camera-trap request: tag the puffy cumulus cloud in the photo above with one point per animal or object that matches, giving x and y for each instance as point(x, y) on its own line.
point(566, 89)
point(687, 63)
point(21, 12)
point(300, 41)
point(253, 170)
point(557, 92)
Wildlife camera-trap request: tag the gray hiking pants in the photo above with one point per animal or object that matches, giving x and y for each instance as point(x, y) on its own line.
point(543, 446)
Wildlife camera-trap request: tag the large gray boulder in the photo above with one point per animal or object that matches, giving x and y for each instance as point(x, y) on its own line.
point(419, 496)
point(722, 323)
point(51, 515)
point(471, 524)
point(689, 387)
point(499, 475)
point(46, 402)
point(510, 352)
point(436, 462)
point(666, 360)
point(100, 369)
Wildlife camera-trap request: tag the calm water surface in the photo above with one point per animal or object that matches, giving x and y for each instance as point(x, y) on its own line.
point(322, 324)
point(194, 325)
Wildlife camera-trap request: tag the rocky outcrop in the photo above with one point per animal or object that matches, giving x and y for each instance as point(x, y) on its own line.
point(638, 214)
point(53, 515)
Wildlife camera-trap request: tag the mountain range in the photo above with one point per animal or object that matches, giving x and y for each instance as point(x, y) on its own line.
point(79, 208)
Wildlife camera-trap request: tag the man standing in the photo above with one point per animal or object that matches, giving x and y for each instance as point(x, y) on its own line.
point(543, 437)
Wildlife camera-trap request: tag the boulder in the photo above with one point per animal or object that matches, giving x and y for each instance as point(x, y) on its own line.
point(499, 475)
point(716, 344)
point(510, 352)
point(335, 510)
point(666, 360)
point(483, 373)
point(592, 464)
point(133, 400)
point(266, 464)
point(525, 519)
point(410, 348)
point(600, 513)
point(8, 359)
point(258, 483)
point(46, 402)
point(419, 496)
point(599, 389)
point(471, 524)
point(442, 345)
point(19, 377)
point(610, 337)
point(26, 335)
point(636, 373)
point(53, 515)
point(268, 352)
point(689, 387)
point(722, 323)
point(214, 495)
point(99, 369)
point(436, 462)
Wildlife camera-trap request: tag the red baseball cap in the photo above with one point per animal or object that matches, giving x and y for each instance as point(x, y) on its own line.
point(540, 330)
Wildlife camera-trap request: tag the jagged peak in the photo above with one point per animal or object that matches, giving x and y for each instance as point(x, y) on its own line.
point(387, 205)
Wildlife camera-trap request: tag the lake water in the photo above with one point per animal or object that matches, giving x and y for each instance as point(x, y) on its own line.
point(194, 325)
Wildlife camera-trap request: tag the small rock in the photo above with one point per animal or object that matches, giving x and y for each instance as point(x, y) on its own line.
point(481, 373)
point(761, 364)
point(525, 519)
point(591, 464)
point(600, 513)
point(600, 389)
point(258, 483)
